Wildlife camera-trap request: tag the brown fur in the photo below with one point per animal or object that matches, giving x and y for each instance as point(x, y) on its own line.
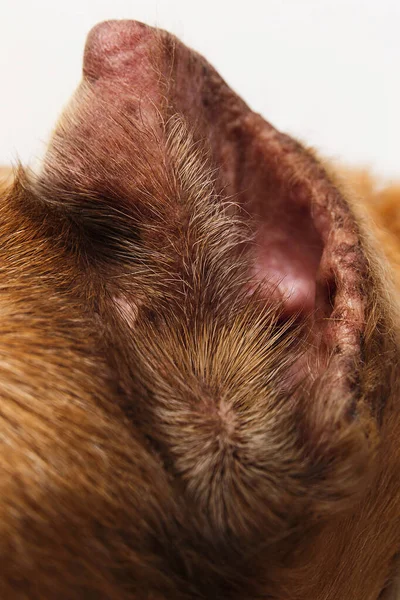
point(173, 425)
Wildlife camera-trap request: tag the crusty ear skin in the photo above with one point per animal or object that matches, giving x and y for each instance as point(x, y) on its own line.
point(215, 297)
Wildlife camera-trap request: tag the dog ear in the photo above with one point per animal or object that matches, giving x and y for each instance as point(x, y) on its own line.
point(120, 164)
point(307, 244)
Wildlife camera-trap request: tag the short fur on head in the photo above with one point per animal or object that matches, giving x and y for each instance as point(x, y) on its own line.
point(198, 352)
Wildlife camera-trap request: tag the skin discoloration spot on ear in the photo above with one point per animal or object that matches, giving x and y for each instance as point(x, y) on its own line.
point(199, 358)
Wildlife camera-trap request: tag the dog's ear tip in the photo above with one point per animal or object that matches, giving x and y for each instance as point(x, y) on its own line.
point(117, 48)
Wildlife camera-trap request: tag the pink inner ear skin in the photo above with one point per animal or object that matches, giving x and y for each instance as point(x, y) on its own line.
point(287, 271)
point(287, 253)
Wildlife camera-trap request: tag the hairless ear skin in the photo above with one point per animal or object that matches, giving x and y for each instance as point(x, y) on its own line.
point(249, 330)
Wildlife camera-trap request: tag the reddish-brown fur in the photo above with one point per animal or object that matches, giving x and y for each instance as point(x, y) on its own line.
point(175, 422)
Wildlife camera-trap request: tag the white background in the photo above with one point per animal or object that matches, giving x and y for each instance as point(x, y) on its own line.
point(327, 71)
